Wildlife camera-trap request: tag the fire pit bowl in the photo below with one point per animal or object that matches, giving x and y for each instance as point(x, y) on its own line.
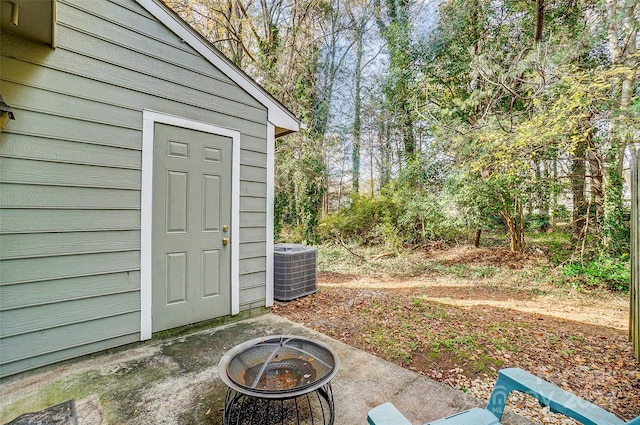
point(279, 366)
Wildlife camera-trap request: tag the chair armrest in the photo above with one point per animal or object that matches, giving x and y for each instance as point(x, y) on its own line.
point(386, 414)
point(548, 394)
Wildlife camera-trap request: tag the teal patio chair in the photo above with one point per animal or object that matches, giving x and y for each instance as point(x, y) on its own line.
point(512, 379)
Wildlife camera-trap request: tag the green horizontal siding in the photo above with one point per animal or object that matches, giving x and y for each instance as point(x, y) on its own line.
point(24, 352)
point(253, 249)
point(53, 220)
point(249, 188)
point(55, 291)
point(31, 196)
point(254, 297)
point(251, 265)
point(254, 218)
point(252, 279)
point(50, 316)
point(64, 151)
point(257, 159)
point(54, 126)
point(254, 143)
point(252, 173)
point(253, 234)
point(25, 171)
point(35, 99)
point(253, 203)
point(70, 175)
point(49, 268)
point(31, 245)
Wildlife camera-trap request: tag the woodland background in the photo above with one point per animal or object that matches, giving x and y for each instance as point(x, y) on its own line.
point(438, 120)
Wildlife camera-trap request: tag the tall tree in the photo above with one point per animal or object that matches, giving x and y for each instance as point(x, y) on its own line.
point(395, 28)
point(360, 13)
point(621, 18)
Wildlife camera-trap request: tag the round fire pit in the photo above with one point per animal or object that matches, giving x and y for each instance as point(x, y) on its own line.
point(279, 379)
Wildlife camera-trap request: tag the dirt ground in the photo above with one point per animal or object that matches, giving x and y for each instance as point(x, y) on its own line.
point(461, 330)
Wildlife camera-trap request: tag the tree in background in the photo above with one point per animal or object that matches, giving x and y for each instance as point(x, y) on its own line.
point(395, 28)
point(531, 101)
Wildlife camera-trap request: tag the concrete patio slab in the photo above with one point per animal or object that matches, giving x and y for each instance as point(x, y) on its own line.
point(175, 381)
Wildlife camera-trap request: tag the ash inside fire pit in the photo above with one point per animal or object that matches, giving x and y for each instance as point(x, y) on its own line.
point(278, 376)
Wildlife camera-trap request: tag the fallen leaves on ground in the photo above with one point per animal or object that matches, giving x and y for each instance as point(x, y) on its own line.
point(466, 346)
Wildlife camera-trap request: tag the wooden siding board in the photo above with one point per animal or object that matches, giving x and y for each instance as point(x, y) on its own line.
point(68, 220)
point(253, 218)
point(43, 359)
point(253, 296)
point(75, 107)
point(68, 266)
point(30, 196)
point(62, 338)
point(49, 316)
point(252, 204)
point(251, 279)
point(253, 234)
point(53, 173)
point(252, 306)
point(135, 43)
point(254, 143)
point(251, 173)
point(253, 249)
point(115, 64)
point(257, 159)
point(250, 265)
point(85, 86)
point(142, 27)
point(33, 245)
point(57, 127)
point(52, 150)
point(110, 73)
point(55, 291)
point(253, 188)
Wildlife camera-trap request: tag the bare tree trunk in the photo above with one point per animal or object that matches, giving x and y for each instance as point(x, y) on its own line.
point(476, 238)
point(515, 224)
point(595, 177)
point(357, 110)
point(539, 20)
point(578, 218)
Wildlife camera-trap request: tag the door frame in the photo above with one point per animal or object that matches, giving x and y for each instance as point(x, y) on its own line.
point(149, 119)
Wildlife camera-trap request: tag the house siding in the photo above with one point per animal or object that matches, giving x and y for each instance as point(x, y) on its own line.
point(70, 176)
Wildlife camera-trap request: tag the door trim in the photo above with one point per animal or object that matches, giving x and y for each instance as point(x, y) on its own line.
point(149, 118)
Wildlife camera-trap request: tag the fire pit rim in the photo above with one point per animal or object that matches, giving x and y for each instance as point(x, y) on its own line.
point(275, 394)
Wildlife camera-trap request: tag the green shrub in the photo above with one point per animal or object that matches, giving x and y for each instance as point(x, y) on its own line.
point(360, 221)
point(422, 219)
point(537, 222)
point(399, 216)
point(561, 214)
point(611, 273)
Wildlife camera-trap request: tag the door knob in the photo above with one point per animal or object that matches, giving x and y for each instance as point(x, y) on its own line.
point(225, 241)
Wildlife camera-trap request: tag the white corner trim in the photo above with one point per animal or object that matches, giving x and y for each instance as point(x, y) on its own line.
point(149, 118)
point(276, 112)
point(271, 132)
